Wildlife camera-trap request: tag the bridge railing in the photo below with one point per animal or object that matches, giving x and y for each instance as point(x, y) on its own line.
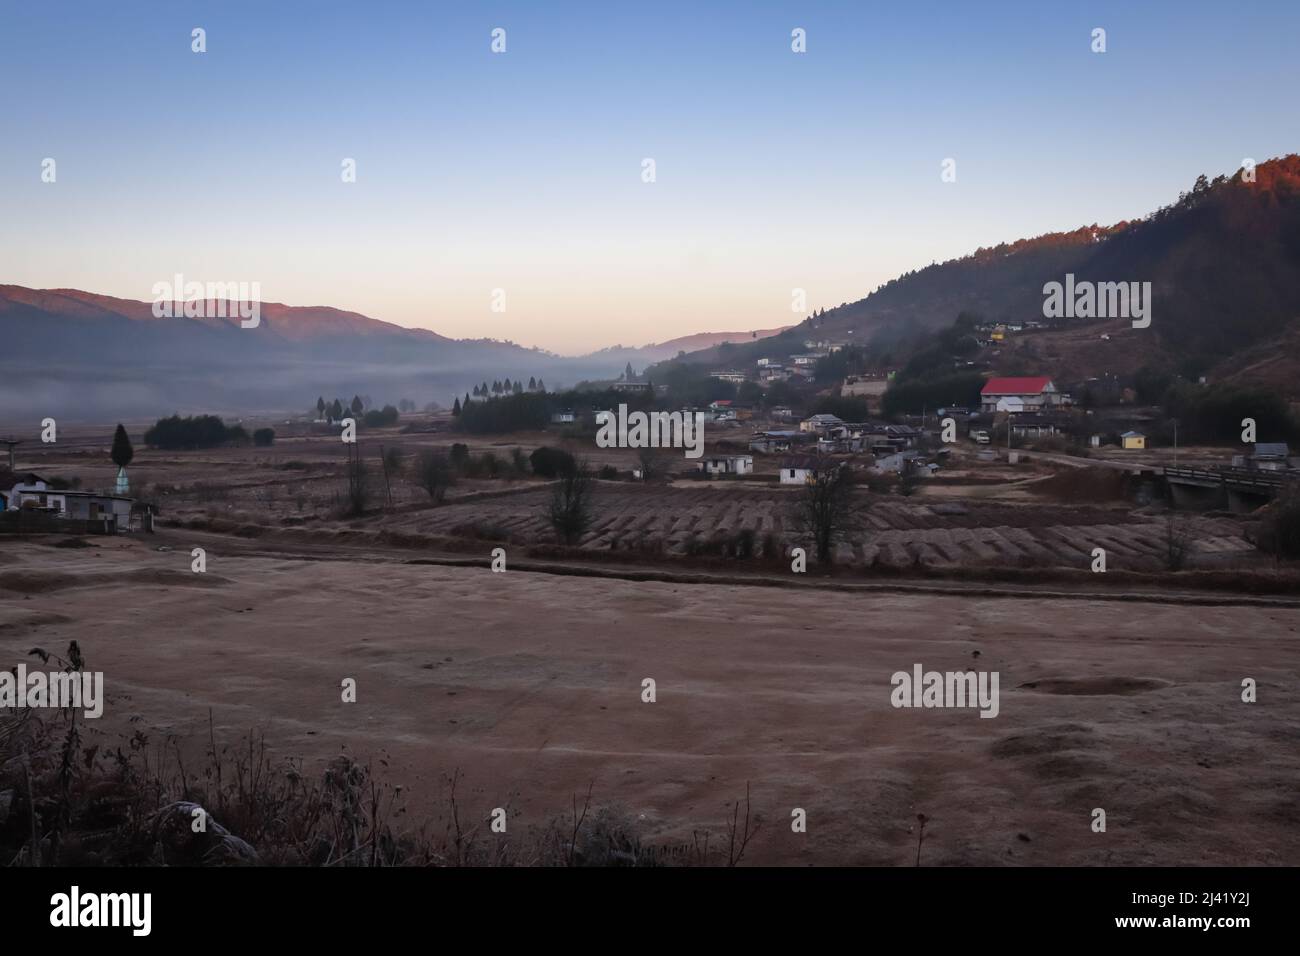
point(1271, 480)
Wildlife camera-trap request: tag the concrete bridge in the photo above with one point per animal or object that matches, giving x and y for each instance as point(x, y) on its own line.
point(1226, 489)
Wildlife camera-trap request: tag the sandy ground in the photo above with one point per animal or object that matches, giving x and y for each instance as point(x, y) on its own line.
point(531, 685)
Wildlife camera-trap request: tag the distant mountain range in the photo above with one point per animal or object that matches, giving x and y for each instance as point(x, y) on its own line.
point(659, 351)
point(68, 352)
point(1223, 260)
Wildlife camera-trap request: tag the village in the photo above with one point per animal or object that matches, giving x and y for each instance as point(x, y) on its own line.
point(1024, 477)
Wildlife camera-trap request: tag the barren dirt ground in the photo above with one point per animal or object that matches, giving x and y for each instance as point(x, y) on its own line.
point(531, 685)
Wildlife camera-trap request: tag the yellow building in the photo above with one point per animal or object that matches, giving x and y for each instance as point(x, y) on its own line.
point(1133, 440)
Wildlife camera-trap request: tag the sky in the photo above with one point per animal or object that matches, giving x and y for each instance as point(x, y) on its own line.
point(523, 171)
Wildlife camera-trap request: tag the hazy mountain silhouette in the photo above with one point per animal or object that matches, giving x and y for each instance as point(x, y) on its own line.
point(77, 353)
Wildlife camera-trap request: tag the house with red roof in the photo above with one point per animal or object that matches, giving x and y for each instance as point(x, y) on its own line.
point(1028, 393)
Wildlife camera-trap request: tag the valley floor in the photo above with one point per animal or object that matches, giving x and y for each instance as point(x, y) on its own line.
point(531, 685)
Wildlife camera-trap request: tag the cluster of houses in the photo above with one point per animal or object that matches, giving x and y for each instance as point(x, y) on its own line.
point(1032, 407)
point(895, 447)
point(993, 334)
point(826, 434)
point(1036, 408)
point(795, 366)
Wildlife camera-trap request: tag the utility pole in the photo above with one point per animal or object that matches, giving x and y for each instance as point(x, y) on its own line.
point(12, 443)
point(388, 491)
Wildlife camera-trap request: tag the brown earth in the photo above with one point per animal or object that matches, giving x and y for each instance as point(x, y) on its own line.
point(531, 684)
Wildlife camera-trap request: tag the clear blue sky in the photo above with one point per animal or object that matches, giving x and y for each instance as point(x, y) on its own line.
point(522, 171)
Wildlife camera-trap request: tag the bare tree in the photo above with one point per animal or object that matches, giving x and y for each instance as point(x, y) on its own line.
point(358, 482)
point(570, 506)
point(739, 834)
point(1178, 544)
point(434, 473)
point(827, 509)
point(393, 461)
point(650, 463)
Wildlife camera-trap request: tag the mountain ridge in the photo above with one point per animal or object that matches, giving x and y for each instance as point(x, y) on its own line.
point(1223, 260)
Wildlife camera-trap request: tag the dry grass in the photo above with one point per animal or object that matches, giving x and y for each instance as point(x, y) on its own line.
point(140, 804)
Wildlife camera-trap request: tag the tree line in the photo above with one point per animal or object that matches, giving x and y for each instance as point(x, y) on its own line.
point(200, 431)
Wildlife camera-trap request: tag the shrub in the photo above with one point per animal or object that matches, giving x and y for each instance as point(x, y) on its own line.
point(552, 462)
point(263, 437)
point(381, 418)
point(1280, 531)
point(773, 547)
point(434, 473)
point(879, 483)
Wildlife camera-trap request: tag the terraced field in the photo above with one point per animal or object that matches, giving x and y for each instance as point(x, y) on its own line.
point(895, 532)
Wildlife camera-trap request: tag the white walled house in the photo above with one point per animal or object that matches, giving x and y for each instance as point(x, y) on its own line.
point(797, 471)
point(17, 488)
point(726, 465)
point(1029, 393)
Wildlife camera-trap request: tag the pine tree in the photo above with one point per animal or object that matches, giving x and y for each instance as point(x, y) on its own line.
point(532, 384)
point(628, 374)
point(356, 405)
point(455, 409)
point(519, 388)
point(506, 386)
point(541, 386)
point(122, 450)
point(320, 407)
point(337, 411)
